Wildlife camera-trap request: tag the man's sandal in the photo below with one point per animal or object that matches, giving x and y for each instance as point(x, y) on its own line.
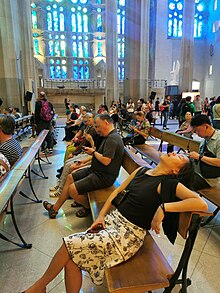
point(84, 212)
point(75, 204)
point(49, 207)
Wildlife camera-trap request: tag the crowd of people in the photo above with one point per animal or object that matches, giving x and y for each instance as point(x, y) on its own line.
point(92, 161)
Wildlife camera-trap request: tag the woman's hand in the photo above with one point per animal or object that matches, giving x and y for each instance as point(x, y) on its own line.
point(157, 220)
point(194, 155)
point(98, 224)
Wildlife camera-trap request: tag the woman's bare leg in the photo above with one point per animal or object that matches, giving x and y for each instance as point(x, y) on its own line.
point(58, 262)
point(73, 284)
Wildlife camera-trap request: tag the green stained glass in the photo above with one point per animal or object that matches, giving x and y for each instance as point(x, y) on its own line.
point(75, 72)
point(79, 22)
point(80, 50)
point(74, 49)
point(34, 19)
point(36, 47)
point(57, 49)
point(63, 48)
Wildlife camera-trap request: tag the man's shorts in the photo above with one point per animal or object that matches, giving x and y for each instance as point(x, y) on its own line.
point(87, 180)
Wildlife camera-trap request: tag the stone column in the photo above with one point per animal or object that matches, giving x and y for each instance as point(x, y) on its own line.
point(187, 47)
point(111, 52)
point(136, 49)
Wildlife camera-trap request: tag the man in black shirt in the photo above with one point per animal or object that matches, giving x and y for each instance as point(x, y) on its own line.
point(9, 146)
point(105, 165)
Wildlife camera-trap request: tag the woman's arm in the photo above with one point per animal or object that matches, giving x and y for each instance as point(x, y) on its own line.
point(190, 202)
point(108, 204)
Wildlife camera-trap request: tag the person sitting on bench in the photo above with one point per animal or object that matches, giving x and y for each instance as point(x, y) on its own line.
point(105, 165)
point(153, 196)
point(207, 160)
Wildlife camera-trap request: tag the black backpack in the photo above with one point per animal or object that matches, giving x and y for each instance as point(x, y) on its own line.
point(186, 108)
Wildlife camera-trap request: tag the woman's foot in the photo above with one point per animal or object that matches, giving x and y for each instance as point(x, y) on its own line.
point(49, 207)
point(75, 204)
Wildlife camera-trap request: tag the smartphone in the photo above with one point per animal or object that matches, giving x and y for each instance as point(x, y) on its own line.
point(96, 229)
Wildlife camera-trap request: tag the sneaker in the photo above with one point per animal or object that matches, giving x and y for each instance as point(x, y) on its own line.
point(56, 193)
point(50, 151)
point(55, 187)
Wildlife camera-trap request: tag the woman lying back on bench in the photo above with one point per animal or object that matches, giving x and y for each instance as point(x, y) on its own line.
point(153, 196)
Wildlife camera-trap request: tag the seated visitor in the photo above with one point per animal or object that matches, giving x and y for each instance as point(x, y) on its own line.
point(186, 128)
point(153, 196)
point(105, 166)
point(4, 165)
point(140, 130)
point(9, 146)
point(207, 160)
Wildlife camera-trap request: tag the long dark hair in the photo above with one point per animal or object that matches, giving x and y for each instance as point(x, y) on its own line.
point(186, 174)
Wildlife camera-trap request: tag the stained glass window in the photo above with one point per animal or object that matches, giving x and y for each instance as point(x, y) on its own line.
point(99, 20)
point(34, 19)
point(121, 40)
point(36, 47)
point(215, 5)
point(175, 18)
point(55, 18)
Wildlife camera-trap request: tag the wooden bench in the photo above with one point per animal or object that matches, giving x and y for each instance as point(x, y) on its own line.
point(148, 269)
point(13, 179)
point(22, 125)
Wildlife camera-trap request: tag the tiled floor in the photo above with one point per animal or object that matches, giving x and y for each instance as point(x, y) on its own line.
point(20, 268)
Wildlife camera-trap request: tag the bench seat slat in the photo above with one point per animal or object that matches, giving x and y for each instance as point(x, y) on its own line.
point(212, 194)
point(147, 270)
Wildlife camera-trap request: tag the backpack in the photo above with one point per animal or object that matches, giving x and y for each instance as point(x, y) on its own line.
point(186, 108)
point(46, 112)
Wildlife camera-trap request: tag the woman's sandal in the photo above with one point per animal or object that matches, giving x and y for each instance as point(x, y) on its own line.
point(84, 212)
point(75, 204)
point(49, 207)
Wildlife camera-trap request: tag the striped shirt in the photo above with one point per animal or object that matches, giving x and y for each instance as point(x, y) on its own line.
point(11, 149)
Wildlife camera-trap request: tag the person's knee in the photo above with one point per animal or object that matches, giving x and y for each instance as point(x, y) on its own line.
point(72, 190)
point(69, 179)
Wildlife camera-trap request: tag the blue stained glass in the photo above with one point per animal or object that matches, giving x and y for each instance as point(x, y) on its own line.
point(57, 61)
point(55, 20)
point(80, 50)
point(79, 22)
point(55, 6)
point(74, 1)
point(74, 49)
point(49, 21)
point(61, 22)
point(81, 72)
point(175, 27)
point(51, 61)
point(86, 62)
point(80, 62)
point(58, 72)
point(99, 23)
point(83, 1)
point(61, 8)
point(48, 8)
point(62, 37)
point(75, 72)
point(85, 23)
point(63, 71)
point(122, 73)
point(52, 70)
point(36, 47)
point(63, 61)
point(73, 23)
point(56, 37)
point(51, 52)
point(86, 72)
point(215, 5)
point(180, 29)
point(75, 62)
point(119, 72)
point(86, 50)
point(122, 50)
point(63, 48)
point(200, 7)
point(99, 1)
point(33, 5)
point(57, 49)
point(34, 19)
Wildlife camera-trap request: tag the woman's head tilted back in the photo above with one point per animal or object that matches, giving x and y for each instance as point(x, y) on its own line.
point(180, 166)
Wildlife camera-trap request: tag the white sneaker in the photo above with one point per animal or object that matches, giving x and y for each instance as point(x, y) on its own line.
point(55, 193)
point(55, 187)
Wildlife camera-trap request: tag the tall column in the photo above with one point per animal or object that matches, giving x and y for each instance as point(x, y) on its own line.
point(112, 91)
point(136, 49)
point(187, 47)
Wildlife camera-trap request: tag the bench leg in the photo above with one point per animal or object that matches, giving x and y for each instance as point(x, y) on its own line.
point(183, 263)
point(211, 217)
point(24, 244)
point(39, 159)
point(37, 200)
